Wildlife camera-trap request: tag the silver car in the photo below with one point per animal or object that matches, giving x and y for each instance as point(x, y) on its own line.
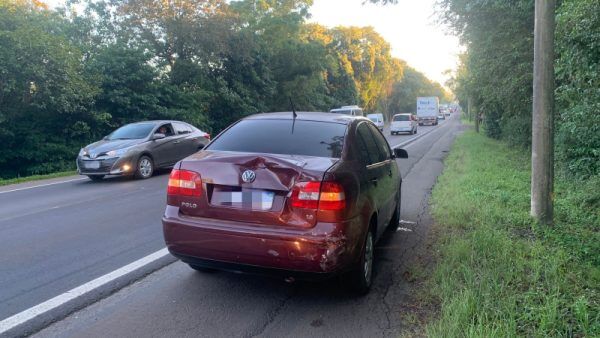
point(138, 149)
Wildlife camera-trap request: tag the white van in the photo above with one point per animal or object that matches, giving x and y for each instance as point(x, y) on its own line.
point(348, 110)
point(404, 123)
point(377, 119)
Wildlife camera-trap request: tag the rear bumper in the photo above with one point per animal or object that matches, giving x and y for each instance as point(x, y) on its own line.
point(429, 121)
point(401, 129)
point(324, 250)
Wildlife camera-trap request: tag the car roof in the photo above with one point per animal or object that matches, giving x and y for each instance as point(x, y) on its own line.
point(308, 116)
point(157, 122)
point(402, 114)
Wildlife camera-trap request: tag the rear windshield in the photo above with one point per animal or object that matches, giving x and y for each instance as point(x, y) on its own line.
point(402, 118)
point(310, 138)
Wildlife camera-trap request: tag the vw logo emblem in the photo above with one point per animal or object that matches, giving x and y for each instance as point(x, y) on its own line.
point(248, 176)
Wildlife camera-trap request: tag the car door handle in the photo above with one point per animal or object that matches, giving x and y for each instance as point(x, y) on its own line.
point(373, 180)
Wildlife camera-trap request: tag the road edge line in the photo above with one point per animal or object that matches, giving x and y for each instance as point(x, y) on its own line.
point(53, 303)
point(42, 185)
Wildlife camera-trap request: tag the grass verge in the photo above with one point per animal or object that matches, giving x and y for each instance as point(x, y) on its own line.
point(497, 273)
point(36, 177)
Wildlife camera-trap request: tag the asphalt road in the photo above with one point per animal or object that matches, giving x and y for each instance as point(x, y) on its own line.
point(59, 234)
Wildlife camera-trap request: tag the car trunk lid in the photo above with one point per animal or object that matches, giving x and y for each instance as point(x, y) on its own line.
point(251, 188)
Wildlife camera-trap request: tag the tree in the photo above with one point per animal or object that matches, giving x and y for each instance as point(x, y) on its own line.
point(45, 97)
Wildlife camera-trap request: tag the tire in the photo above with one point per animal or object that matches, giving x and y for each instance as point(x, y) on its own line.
point(361, 277)
point(416, 130)
point(96, 178)
point(144, 168)
point(202, 269)
point(395, 221)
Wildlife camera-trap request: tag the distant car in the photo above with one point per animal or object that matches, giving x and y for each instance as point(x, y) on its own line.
point(305, 204)
point(377, 119)
point(348, 110)
point(139, 149)
point(441, 116)
point(404, 123)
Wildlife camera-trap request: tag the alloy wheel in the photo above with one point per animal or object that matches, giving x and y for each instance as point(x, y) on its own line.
point(145, 167)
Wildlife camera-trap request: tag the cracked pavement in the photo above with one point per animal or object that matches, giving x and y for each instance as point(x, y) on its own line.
point(177, 301)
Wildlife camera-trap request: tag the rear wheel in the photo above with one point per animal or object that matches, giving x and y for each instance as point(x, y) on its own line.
point(362, 276)
point(96, 178)
point(145, 167)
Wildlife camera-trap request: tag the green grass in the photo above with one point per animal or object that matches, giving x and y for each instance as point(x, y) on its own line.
point(497, 273)
point(36, 177)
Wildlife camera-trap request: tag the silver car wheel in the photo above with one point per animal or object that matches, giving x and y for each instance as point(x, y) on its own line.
point(145, 167)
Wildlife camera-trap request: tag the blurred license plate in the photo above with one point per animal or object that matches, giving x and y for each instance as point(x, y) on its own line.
point(248, 199)
point(91, 164)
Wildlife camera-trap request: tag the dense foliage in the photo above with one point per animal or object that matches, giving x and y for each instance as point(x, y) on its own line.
point(68, 77)
point(497, 273)
point(497, 69)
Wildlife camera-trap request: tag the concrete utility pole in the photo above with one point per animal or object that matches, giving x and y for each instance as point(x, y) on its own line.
point(542, 146)
point(469, 109)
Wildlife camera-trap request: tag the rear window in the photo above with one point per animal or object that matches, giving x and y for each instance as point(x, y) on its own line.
point(402, 118)
point(310, 138)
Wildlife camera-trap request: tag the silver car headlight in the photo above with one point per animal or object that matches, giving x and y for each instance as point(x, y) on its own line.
point(82, 152)
point(117, 153)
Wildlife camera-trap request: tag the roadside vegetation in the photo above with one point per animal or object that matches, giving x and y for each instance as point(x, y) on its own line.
point(71, 75)
point(497, 274)
point(496, 74)
point(35, 177)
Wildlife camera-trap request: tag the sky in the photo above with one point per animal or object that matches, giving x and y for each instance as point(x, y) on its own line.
point(408, 26)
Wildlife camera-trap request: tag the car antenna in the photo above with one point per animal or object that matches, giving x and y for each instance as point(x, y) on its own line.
point(293, 113)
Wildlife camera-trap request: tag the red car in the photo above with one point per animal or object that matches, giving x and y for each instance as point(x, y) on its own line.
point(301, 195)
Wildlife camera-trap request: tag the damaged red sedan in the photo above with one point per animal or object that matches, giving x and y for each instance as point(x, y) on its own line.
point(302, 195)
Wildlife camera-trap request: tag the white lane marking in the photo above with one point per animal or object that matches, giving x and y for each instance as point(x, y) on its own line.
point(414, 139)
point(43, 185)
point(31, 313)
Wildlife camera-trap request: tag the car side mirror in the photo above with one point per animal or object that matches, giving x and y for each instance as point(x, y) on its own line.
point(400, 153)
point(105, 138)
point(158, 136)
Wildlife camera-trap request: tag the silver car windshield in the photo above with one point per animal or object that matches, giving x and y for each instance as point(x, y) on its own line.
point(132, 131)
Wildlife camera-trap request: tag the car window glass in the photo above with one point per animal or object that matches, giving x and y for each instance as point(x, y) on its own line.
point(311, 138)
point(382, 145)
point(166, 129)
point(371, 146)
point(361, 144)
point(401, 118)
point(181, 128)
point(132, 131)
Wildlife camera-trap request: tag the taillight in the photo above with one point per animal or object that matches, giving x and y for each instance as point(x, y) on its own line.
point(306, 195)
point(317, 195)
point(184, 183)
point(332, 196)
point(207, 136)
